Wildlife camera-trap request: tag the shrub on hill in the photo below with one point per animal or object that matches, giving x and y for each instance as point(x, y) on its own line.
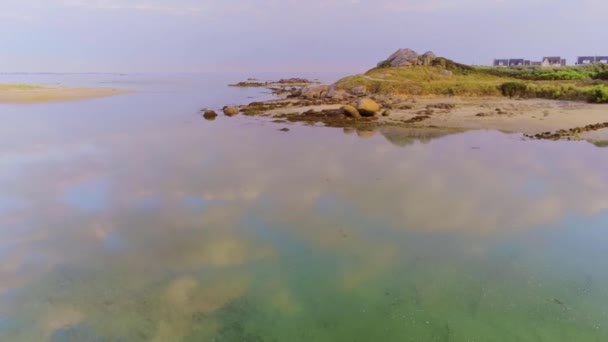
point(449, 64)
point(601, 76)
point(514, 89)
point(598, 94)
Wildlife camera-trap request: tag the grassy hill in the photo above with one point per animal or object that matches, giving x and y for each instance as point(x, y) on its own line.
point(447, 78)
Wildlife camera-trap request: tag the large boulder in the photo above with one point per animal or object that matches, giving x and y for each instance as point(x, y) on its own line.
point(331, 91)
point(367, 107)
point(401, 58)
point(358, 90)
point(314, 92)
point(351, 111)
point(230, 111)
point(427, 58)
point(336, 94)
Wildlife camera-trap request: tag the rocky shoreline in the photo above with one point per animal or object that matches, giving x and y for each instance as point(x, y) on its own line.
point(253, 82)
point(568, 134)
point(280, 87)
point(535, 119)
point(359, 107)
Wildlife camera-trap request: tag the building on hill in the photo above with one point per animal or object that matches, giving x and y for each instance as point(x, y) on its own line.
point(585, 60)
point(591, 59)
point(546, 62)
point(516, 62)
point(501, 62)
point(553, 62)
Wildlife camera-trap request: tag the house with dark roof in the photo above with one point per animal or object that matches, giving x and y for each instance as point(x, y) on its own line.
point(501, 62)
point(585, 60)
point(546, 61)
point(553, 62)
point(591, 59)
point(516, 62)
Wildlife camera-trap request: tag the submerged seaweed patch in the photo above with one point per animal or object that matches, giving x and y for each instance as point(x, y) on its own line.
point(572, 133)
point(328, 117)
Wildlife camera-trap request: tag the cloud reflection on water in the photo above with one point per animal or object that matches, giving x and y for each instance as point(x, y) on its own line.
point(235, 198)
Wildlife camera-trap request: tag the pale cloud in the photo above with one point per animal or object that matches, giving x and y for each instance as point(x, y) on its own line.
point(429, 6)
point(153, 7)
point(26, 8)
point(192, 7)
point(261, 35)
point(443, 5)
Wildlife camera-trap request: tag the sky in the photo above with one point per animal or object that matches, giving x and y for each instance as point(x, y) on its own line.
point(287, 35)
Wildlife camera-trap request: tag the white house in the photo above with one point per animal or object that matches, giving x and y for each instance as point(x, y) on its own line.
point(553, 62)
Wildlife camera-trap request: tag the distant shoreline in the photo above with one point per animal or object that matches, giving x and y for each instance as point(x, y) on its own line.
point(535, 118)
point(426, 91)
point(30, 94)
point(331, 106)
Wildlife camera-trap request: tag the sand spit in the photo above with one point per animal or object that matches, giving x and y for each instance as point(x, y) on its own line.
point(24, 94)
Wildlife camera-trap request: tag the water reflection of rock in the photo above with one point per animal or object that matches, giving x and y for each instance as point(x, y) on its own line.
point(403, 136)
point(599, 143)
point(349, 130)
point(366, 132)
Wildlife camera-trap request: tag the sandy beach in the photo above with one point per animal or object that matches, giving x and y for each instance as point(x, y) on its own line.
point(23, 94)
point(529, 117)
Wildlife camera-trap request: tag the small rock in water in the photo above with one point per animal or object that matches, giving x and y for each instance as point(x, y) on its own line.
point(230, 111)
point(210, 115)
point(284, 129)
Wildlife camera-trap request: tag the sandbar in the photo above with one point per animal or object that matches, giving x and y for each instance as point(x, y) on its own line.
point(24, 94)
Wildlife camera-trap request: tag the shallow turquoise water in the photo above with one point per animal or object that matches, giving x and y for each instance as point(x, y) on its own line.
point(132, 219)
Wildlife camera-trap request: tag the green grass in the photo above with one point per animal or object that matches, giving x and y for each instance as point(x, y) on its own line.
point(535, 73)
point(571, 83)
point(424, 80)
point(582, 91)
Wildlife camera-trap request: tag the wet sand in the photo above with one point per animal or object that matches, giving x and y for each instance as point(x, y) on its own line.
point(23, 94)
point(509, 115)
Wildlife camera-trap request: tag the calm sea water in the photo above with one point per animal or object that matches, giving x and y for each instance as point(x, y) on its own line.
point(133, 219)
